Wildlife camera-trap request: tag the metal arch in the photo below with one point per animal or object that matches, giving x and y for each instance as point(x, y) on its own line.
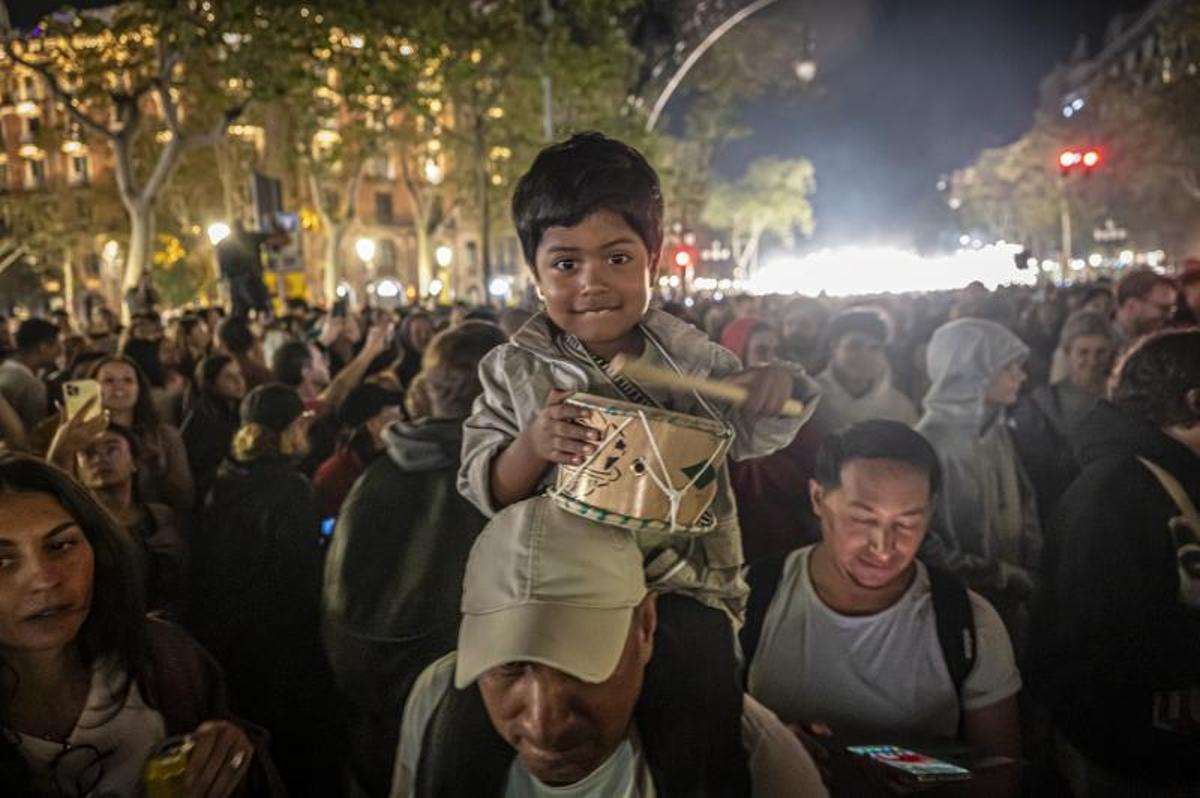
point(695, 55)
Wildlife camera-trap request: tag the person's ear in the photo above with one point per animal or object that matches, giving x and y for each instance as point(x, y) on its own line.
point(816, 494)
point(647, 622)
point(655, 261)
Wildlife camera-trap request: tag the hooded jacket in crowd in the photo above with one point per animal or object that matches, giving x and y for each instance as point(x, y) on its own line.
point(986, 526)
point(1115, 652)
point(393, 582)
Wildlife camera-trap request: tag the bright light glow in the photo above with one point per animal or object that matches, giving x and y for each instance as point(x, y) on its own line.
point(387, 289)
point(964, 239)
point(343, 291)
point(218, 232)
point(704, 283)
point(682, 258)
point(664, 281)
point(806, 70)
point(1155, 258)
point(1077, 263)
point(1068, 111)
point(433, 172)
point(1091, 158)
point(1095, 259)
point(851, 271)
point(688, 302)
point(443, 255)
point(27, 108)
point(111, 250)
point(1126, 257)
point(725, 285)
point(1032, 263)
point(500, 286)
point(674, 281)
point(435, 287)
point(1078, 104)
point(1050, 265)
point(718, 296)
point(365, 249)
point(72, 147)
point(1068, 158)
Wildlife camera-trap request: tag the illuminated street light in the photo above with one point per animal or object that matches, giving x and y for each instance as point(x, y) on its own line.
point(365, 249)
point(218, 232)
point(387, 289)
point(499, 287)
point(433, 172)
point(1091, 158)
point(1095, 259)
point(443, 255)
point(1068, 158)
point(435, 287)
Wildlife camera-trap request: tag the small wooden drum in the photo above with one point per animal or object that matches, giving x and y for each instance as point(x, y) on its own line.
point(652, 470)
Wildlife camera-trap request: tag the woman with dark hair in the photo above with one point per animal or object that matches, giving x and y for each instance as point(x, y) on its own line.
point(163, 472)
point(416, 331)
point(258, 566)
point(89, 687)
point(212, 422)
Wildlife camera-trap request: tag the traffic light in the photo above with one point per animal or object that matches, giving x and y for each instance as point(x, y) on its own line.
point(1088, 159)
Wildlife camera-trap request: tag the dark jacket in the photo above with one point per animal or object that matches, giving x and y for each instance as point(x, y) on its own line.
point(207, 432)
point(1112, 632)
point(1043, 426)
point(393, 581)
point(181, 681)
point(258, 567)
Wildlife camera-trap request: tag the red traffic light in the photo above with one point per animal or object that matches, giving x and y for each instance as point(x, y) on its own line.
point(682, 258)
point(1088, 159)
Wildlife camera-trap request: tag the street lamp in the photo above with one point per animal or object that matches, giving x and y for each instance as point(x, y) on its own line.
point(443, 255)
point(365, 249)
point(218, 232)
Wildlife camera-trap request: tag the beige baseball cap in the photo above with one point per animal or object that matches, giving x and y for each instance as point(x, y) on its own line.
point(543, 585)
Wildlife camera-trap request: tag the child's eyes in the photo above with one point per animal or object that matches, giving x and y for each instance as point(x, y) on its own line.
point(619, 259)
point(563, 265)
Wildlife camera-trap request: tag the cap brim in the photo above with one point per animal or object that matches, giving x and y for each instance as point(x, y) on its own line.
point(584, 642)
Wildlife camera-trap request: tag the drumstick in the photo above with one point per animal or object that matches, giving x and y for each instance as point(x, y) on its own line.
point(668, 378)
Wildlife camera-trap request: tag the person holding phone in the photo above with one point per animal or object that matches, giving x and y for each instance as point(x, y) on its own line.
point(843, 636)
point(96, 685)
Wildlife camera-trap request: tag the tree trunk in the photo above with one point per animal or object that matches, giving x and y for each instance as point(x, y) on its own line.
point(333, 247)
point(485, 227)
point(141, 238)
point(424, 260)
point(69, 281)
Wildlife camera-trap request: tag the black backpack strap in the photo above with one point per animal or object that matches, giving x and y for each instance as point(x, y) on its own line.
point(462, 756)
point(763, 578)
point(955, 625)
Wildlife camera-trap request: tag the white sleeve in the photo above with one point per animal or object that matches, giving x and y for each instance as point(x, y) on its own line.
point(994, 677)
point(423, 699)
point(779, 765)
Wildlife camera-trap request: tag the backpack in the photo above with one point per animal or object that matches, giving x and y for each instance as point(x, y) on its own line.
point(951, 609)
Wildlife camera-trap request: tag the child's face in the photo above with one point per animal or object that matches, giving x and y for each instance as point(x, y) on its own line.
point(595, 278)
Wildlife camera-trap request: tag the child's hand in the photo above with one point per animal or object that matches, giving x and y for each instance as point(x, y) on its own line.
point(768, 387)
point(554, 435)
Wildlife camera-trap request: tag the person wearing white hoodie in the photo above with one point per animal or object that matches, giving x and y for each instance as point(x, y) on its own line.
point(986, 526)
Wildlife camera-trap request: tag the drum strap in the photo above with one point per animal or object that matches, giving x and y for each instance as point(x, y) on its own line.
point(629, 390)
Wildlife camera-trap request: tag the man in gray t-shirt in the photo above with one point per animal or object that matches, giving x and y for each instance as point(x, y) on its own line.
point(850, 639)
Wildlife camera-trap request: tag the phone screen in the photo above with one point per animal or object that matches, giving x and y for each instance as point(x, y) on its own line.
point(76, 394)
point(912, 764)
point(327, 525)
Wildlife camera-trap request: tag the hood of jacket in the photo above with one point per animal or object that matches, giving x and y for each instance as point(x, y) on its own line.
point(963, 358)
point(425, 445)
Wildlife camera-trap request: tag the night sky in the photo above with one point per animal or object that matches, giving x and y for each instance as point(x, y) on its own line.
point(907, 90)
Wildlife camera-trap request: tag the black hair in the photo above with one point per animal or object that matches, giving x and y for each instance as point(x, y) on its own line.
point(34, 332)
point(289, 362)
point(860, 320)
point(1154, 377)
point(116, 620)
point(235, 335)
point(146, 355)
point(588, 172)
point(876, 440)
point(209, 369)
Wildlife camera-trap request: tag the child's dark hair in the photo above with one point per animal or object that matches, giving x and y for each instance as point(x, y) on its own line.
point(588, 172)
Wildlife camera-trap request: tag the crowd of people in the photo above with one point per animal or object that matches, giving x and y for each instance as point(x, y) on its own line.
point(323, 548)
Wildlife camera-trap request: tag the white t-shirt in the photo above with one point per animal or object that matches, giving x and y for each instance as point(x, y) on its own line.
point(106, 751)
point(779, 765)
point(882, 675)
